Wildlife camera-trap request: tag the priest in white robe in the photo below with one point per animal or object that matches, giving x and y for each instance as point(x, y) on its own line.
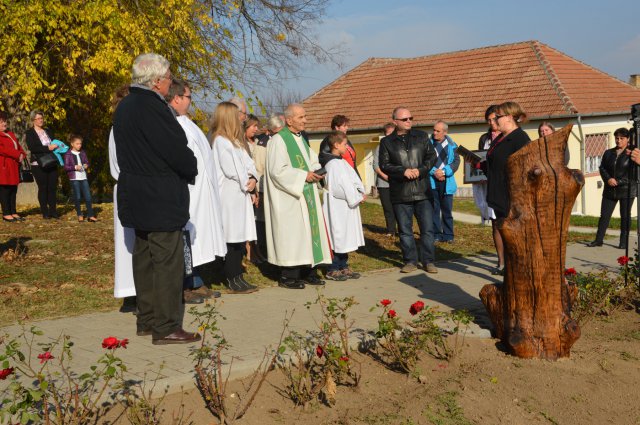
point(296, 231)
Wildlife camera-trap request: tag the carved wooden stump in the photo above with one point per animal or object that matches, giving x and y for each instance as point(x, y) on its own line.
point(530, 311)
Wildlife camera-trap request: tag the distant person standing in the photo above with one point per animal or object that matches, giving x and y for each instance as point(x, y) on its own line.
point(407, 156)
point(443, 182)
point(155, 168)
point(338, 123)
point(76, 164)
point(11, 155)
point(40, 142)
point(382, 185)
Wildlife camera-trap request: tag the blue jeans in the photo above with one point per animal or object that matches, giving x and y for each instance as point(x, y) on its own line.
point(442, 214)
point(423, 212)
point(80, 190)
point(339, 262)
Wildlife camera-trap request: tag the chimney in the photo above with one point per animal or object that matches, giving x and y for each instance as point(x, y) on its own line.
point(634, 80)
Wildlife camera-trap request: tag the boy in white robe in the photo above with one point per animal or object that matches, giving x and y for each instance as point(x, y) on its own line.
point(344, 193)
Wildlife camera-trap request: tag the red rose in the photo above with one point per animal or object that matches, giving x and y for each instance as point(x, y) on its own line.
point(570, 272)
point(5, 372)
point(110, 343)
point(385, 302)
point(416, 308)
point(623, 261)
point(123, 343)
point(44, 357)
point(391, 314)
point(344, 358)
point(319, 351)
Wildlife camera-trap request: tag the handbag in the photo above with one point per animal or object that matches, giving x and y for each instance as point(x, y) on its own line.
point(188, 259)
point(47, 161)
point(26, 176)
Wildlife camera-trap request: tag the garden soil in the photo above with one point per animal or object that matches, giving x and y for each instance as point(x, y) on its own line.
point(598, 384)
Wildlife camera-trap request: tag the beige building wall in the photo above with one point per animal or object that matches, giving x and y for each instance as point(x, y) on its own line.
point(467, 135)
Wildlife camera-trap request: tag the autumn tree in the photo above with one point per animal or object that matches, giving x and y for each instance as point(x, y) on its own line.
point(67, 57)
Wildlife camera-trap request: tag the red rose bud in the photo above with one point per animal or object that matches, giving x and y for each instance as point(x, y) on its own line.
point(5, 372)
point(44, 357)
point(319, 351)
point(570, 272)
point(123, 343)
point(391, 314)
point(110, 343)
point(623, 261)
point(344, 358)
point(416, 308)
point(385, 302)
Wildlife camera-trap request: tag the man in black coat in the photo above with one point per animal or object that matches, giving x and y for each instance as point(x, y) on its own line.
point(153, 197)
point(407, 156)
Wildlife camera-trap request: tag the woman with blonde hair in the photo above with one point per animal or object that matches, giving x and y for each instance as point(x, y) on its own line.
point(237, 178)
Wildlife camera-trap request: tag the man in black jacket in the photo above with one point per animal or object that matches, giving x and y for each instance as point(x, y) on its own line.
point(153, 197)
point(406, 156)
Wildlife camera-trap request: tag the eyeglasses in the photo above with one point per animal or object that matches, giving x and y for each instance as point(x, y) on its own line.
point(498, 117)
point(405, 119)
point(186, 95)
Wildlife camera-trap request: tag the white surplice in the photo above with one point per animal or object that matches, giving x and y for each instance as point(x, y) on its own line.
point(286, 212)
point(205, 221)
point(344, 192)
point(123, 237)
point(234, 166)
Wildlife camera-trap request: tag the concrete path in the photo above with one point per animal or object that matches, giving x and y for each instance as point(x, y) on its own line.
point(254, 321)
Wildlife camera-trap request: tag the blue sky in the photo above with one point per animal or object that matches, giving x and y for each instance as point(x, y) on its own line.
point(602, 34)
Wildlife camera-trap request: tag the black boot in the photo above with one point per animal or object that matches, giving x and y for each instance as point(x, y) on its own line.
point(237, 285)
point(129, 305)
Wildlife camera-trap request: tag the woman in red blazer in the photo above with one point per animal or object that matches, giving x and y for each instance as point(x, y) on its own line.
point(11, 155)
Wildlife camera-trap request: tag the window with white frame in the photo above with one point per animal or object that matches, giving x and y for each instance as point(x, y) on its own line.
point(594, 146)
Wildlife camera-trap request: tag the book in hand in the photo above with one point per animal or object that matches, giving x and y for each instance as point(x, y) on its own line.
point(468, 155)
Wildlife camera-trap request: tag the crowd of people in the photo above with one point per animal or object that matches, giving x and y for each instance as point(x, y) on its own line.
point(184, 199)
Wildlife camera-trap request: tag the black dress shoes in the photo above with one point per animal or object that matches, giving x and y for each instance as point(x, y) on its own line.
point(313, 279)
point(191, 297)
point(286, 282)
point(594, 243)
point(178, 337)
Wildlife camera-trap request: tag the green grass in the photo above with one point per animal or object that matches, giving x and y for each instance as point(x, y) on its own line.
point(468, 206)
point(446, 411)
point(52, 268)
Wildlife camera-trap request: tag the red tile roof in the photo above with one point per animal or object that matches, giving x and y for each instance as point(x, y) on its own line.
point(458, 87)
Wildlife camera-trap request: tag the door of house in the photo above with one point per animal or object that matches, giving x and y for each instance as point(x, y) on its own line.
point(369, 180)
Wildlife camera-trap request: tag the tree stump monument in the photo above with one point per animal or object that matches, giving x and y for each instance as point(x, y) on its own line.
point(531, 310)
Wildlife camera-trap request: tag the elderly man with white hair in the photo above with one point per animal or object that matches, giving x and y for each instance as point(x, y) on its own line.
point(153, 198)
point(296, 232)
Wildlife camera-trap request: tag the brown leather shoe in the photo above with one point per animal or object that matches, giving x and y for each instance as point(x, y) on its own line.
point(178, 337)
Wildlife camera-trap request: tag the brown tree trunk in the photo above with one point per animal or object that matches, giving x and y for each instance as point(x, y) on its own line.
point(530, 311)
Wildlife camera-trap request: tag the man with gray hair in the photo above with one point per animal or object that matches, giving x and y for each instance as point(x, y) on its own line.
point(153, 198)
point(242, 107)
point(443, 182)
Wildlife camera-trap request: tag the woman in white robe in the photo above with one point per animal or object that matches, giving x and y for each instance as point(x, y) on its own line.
point(237, 178)
point(343, 195)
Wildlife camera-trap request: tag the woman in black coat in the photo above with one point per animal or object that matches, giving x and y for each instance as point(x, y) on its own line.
point(39, 141)
point(614, 170)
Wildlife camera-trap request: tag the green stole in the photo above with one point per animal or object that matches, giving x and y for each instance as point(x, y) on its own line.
point(298, 161)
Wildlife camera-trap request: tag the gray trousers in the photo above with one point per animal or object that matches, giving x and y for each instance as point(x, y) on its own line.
point(158, 274)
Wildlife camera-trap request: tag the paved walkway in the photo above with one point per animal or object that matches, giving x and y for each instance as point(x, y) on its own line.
point(254, 321)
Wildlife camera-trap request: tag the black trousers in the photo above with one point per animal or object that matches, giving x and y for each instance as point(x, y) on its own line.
point(8, 199)
point(47, 182)
point(387, 208)
point(233, 259)
point(297, 272)
point(606, 209)
point(158, 273)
